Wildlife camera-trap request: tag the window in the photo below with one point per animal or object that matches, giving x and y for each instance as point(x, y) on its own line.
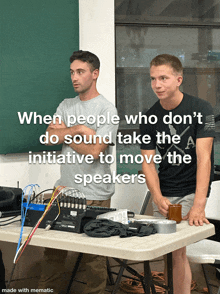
point(187, 29)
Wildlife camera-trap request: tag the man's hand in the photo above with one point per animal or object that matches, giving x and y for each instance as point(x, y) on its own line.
point(85, 131)
point(57, 125)
point(163, 205)
point(81, 129)
point(196, 216)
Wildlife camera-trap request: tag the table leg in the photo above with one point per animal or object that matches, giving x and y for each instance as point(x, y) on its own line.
point(147, 277)
point(74, 271)
point(118, 280)
point(111, 280)
point(170, 272)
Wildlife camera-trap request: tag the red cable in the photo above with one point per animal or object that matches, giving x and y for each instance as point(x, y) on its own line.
point(56, 192)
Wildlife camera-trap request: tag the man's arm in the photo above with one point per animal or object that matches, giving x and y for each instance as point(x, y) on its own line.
point(196, 214)
point(153, 183)
point(61, 130)
point(94, 149)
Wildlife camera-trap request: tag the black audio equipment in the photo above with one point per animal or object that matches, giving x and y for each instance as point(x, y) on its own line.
point(10, 201)
point(73, 215)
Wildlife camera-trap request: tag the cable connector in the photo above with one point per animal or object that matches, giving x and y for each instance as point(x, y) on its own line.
point(48, 227)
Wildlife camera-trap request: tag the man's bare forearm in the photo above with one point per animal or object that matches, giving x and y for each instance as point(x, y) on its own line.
point(196, 215)
point(153, 184)
point(61, 133)
point(204, 149)
point(93, 149)
point(152, 180)
point(202, 181)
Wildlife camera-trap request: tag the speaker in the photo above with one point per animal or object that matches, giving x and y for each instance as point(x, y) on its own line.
point(10, 198)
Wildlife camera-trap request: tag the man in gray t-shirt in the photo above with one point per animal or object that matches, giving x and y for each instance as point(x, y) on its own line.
point(100, 108)
point(89, 116)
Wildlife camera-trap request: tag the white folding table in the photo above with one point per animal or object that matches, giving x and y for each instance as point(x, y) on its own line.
point(132, 248)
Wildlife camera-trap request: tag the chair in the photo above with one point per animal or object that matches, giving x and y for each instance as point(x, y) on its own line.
point(131, 197)
point(139, 206)
point(208, 251)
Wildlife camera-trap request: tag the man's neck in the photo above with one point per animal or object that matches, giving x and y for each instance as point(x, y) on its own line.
point(88, 95)
point(172, 103)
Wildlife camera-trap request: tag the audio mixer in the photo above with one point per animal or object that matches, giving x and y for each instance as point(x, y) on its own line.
point(74, 214)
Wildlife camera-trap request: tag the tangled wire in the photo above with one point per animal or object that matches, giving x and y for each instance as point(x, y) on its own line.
point(134, 286)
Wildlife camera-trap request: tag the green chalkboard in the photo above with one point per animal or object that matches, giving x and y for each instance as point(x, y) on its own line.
point(37, 37)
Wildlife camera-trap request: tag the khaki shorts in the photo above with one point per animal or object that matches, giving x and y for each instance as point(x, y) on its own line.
point(186, 202)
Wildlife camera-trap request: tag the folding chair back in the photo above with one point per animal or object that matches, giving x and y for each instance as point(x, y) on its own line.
point(131, 197)
point(212, 209)
point(208, 251)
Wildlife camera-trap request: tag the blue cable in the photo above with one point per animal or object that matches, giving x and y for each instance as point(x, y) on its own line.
point(24, 211)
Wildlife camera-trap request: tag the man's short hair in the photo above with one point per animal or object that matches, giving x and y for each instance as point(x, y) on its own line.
point(86, 56)
point(167, 59)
